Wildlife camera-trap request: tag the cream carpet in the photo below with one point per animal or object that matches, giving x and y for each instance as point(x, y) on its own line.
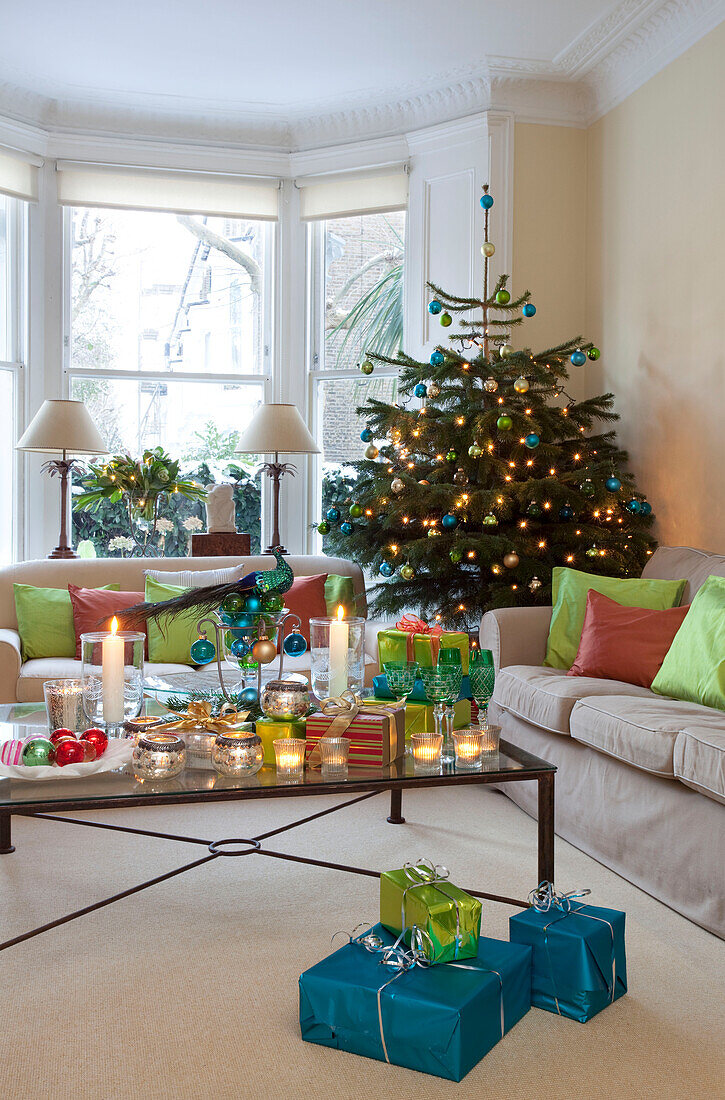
point(189, 990)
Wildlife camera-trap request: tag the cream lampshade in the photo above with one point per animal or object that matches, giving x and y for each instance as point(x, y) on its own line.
point(275, 429)
point(62, 427)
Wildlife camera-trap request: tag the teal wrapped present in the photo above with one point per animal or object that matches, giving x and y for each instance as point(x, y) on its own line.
point(440, 1019)
point(417, 695)
point(579, 961)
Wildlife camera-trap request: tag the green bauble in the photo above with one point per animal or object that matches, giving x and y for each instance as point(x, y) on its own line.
point(356, 510)
point(367, 367)
point(432, 532)
point(593, 354)
point(407, 572)
point(504, 423)
point(273, 601)
point(588, 488)
point(38, 753)
point(451, 455)
point(490, 520)
point(475, 451)
point(323, 527)
point(446, 319)
point(534, 510)
point(503, 297)
point(455, 555)
point(233, 603)
point(592, 552)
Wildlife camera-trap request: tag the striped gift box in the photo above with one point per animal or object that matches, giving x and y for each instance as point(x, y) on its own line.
point(375, 739)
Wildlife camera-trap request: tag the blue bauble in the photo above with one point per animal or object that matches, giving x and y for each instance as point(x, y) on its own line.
point(295, 645)
point(239, 648)
point(420, 390)
point(437, 359)
point(249, 697)
point(202, 651)
point(633, 506)
point(566, 513)
point(333, 514)
point(613, 484)
point(532, 440)
point(346, 528)
point(486, 201)
point(253, 603)
point(529, 309)
point(645, 508)
point(578, 358)
point(435, 307)
point(386, 569)
point(366, 435)
point(449, 521)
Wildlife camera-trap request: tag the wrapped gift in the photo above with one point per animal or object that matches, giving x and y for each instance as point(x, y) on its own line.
point(579, 962)
point(269, 729)
point(420, 895)
point(419, 717)
point(417, 695)
point(413, 640)
point(376, 730)
point(439, 1019)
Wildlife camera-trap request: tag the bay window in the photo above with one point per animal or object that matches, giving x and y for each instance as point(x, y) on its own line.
point(12, 360)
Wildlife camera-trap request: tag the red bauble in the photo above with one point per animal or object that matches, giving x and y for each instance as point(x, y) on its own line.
point(89, 750)
point(59, 734)
point(69, 752)
point(97, 737)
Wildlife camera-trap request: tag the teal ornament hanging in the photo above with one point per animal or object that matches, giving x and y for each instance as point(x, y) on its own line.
point(437, 359)
point(202, 651)
point(578, 358)
point(332, 515)
point(613, 484)
point(449, 521)
point(294, 644)
point(486, 201)
point(435, 307)
point(366, 435)
point(645, 508)
point(346, 528)
point(420, 390)
point(566, 513)
point(386, 569)
point(529, 309)
point(532, 441)
point(634, 506)
point(239, 648)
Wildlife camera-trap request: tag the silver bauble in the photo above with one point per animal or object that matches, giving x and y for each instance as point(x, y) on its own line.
point(460, 477)
point(505, 350)
point(434, 390)
point(521, 385)
point(397, 485)
point(490, 385)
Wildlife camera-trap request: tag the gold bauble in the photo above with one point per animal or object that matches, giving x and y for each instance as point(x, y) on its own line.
point(264, 650)
point(371, 451)
point(487, 248)
point(490, 385)
point(505, 350)
point(511, 560)
point(521, 385)
point(434, 390)
point(397, 485)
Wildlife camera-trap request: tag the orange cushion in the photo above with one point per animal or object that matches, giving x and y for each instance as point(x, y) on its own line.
point(93, 609)
point(306, 598)
point(623, 643)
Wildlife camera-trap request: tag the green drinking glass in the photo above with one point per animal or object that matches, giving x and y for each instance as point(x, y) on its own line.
point(449, 655)
point(443, 686)
point(483, 678)
point(401, 677)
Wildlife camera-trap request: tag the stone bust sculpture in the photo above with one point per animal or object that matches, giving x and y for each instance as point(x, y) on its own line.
point(220, 509)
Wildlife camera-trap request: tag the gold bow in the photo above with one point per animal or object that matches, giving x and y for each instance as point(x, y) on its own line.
point(199, 713)
point(343, 709)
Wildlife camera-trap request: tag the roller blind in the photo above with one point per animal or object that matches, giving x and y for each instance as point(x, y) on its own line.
point(18, 177)
point(176, 192)
point(342, 196)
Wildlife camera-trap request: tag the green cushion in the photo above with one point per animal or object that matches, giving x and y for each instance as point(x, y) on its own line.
point(170, 639)
point(45, 621)
point(569, 596)
point(694, 666)
point(340, 590)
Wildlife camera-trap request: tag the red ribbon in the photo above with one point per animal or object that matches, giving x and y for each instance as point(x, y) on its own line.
point(412, 625)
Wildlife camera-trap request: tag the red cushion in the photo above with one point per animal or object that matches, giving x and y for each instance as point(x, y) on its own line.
point(306, 598)
point(624, 643)
point(93, 609)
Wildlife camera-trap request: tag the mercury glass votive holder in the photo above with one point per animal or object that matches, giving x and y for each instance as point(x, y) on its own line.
point(237, 754)
point(290, 757)
point(426, 748)
point(159, 756)
point(137, 727)
point(468, 745)
point(285, 699)
point(64, 703)
point(334, 754)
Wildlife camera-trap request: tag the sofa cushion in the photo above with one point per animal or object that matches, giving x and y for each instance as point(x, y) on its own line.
point(197, 578)
point(641, 731)
point(699, 760)
point(546, 696)
point(670, 562)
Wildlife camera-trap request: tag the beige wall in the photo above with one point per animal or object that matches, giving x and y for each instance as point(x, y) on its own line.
point(656, 286)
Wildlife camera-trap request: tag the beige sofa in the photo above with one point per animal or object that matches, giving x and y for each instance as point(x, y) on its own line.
point(23, 681)
point(641, 779)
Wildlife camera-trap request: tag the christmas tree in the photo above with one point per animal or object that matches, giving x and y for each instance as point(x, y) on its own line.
point(486, 474)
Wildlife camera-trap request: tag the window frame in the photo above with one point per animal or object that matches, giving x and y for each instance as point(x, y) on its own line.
point(17, 348)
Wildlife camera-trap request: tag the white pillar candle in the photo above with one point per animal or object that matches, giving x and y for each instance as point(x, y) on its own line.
point(112, 660)
point(339, 632)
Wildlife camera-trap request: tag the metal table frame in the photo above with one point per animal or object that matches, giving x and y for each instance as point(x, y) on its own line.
point(363, 787)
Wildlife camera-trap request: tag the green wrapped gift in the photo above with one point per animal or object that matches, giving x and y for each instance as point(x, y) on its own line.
point(420, 894)
point(406, 645)
point(419, 717)
point(269, 729)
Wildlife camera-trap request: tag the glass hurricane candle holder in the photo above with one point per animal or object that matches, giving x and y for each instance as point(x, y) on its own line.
point(334, 755)
point(290, 757)
point(491, 739)
point(237, 754)
point(337, 654)
point(443, 686)
point(159, 756)
point(468, 745)
point(426, 749)
point(285, 699)
point(112, 678)
point(64, 703)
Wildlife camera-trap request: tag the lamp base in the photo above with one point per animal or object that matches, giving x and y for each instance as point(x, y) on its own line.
point(274, 546)
point(63, 552)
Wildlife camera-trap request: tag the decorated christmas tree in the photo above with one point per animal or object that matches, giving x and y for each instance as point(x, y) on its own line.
point(486, 474)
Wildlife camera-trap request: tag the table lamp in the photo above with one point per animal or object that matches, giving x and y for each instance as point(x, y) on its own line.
point(62, 426)
point(276, 428)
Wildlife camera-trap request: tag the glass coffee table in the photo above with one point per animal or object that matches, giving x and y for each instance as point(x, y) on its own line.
point(53, 800)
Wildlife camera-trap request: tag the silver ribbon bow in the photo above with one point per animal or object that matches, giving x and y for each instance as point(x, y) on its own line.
point(426, 873)
point(545, 897)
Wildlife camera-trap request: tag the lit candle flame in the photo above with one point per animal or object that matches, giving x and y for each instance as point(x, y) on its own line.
point(340, 613)
point(114, 625)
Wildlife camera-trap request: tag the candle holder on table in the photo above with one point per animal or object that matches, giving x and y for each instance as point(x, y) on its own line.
point(112, 668)
point(442, 686)
point(337, 649)
point(285, 699)
point(483, 677)
point(491, 741)
point(237, 754)
point(334, 756)
point(64, 704)
point(426, 749)
point(469, 748)
point(289, 757)
point(159, 756)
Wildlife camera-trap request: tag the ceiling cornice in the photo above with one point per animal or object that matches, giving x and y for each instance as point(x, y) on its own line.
point(606, 63)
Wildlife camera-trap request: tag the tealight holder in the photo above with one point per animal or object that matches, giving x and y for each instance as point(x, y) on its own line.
point(334, 755)
point(238, 754)
point(426, 749)
point(137, 727)
point(491, 739)
point(290, 757)
point(468, 745)
point(159, 756)
point(285, 699)
point(64, 703)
